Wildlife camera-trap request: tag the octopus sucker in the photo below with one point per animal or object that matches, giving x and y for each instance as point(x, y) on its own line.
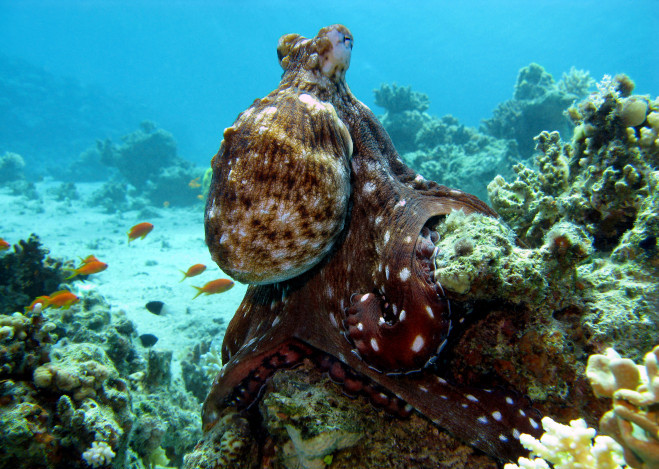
point(333, 232)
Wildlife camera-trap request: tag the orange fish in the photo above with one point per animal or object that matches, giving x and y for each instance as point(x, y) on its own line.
point(92, 267)
point(4, 245)
point(215, 286)
point(61, 299)
point(139, 231)
point(194, 183)
point(193, 271)
point(88, 259)
point(39, 299)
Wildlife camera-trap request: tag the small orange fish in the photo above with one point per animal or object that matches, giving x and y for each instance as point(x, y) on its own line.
point(89, 268)
point(61, 299)
point(39, 299)
point(4, 245)
point(219, 285)
point(193, 271)
point(88, 259)
point(139, 231)
point(194, 183)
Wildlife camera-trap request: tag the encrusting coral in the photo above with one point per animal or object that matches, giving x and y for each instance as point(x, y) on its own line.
point(634, 389)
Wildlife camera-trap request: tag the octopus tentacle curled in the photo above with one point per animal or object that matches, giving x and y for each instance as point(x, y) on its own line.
point(311, 204)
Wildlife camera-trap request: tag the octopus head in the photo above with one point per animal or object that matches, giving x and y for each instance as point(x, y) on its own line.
point(335, 59)
point(329, 52)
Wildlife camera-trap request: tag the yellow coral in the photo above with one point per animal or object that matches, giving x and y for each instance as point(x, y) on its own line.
point(573, 446)
point(634, 420)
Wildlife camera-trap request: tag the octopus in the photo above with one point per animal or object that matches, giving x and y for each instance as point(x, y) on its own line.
point(311, 205)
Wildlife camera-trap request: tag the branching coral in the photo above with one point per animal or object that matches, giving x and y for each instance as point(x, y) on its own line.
point(576, 82)
point(99, 454)
point(569, 447)
point(634, 420)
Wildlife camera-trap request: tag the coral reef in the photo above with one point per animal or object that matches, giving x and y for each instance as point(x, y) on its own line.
point(11, 167)
point(538, 104)
point(405, 114)
point(112, 196)
point(202, 363)
point(634, 389)
point(147, 159)
point(27, 273)
point(605, 183)
point(65, 192)
point(230, 443)
point(47, 118)
point(141, 155)
point(77, 390)
point(459, 156)
point(174, 185)
point(87, 167)
point(397, 99)
point(442, 149)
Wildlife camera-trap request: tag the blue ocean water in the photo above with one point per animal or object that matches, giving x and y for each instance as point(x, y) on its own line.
point(192, 66)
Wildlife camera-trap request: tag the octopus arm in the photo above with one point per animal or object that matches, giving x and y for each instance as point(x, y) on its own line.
point(490, 420)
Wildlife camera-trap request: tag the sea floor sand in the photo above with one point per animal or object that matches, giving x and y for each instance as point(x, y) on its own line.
point(145, 270)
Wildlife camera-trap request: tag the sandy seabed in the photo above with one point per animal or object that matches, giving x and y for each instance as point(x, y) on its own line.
point(145, 270)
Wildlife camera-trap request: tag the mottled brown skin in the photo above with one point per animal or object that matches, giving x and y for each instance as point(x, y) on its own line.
point(371, 302)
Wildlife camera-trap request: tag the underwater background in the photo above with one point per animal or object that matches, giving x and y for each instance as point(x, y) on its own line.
point(192, 66)
point(112, 312)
